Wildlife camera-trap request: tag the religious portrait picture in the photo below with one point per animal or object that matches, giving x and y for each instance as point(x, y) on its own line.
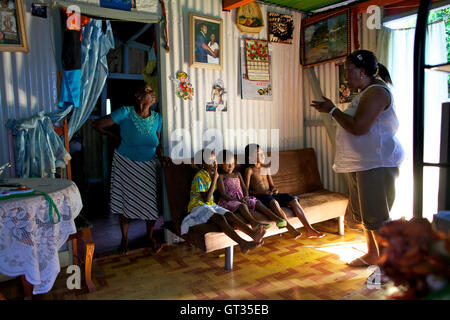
point(13, 36)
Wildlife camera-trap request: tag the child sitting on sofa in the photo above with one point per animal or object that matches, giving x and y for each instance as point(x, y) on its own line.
point(202, 207)
point(234, 194)
point(260, 184)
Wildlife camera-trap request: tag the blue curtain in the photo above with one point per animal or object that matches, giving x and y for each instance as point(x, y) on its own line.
point(94, 70)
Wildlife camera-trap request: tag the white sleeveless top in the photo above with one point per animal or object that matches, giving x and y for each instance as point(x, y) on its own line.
point(377, 148)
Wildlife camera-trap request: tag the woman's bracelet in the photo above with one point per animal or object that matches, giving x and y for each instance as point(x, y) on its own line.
point(331, 112)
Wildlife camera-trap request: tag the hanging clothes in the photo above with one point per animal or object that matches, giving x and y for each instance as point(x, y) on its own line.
point(38, 149)
point(94, 70)
point(71, 58)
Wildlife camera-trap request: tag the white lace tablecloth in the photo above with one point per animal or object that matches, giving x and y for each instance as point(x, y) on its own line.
point(29, 242)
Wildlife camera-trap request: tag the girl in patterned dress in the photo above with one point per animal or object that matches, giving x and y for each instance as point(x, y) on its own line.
point(234, 194)
point(202, 207)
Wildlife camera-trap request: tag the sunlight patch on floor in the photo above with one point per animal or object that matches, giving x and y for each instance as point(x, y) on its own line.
point(347, 251)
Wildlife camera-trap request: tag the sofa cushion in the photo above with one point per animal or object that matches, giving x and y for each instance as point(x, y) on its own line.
point(297, 172)
point(320, 205)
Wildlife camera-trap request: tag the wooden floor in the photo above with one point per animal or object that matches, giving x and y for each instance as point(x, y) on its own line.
point(283, 268)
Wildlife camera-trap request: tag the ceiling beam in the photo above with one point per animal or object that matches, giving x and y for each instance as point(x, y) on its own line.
point(233, 4)
point(355, 8)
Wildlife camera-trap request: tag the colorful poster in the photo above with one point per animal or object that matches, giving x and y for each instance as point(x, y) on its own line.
point(183, 86)
point(257, 59)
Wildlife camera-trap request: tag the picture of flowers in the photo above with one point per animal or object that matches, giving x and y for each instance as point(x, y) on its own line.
point(253, 90)
point(257, 59)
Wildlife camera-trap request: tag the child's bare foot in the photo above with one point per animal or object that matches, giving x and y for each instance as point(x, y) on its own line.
point(314, 234)
point(249, 245)
point(259, 233)
point(265, 225)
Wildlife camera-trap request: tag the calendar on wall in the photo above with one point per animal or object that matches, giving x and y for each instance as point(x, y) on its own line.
point(254, 89)
point(257, 59)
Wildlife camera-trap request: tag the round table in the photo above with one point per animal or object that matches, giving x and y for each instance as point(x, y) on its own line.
point(29, 241)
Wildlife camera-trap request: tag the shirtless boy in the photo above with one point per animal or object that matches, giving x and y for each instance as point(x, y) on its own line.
point(260, 184)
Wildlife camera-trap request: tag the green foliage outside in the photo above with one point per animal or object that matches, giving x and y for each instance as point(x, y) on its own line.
point(443, 14)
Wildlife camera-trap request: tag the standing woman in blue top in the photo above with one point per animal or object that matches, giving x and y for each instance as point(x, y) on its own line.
point(135, 162)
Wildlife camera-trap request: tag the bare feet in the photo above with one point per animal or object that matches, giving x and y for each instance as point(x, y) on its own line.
point(259, 233)
point(124, 248)
point(296, 234)
point(363, 261)
point(249, 245)
point(314, 234)
point(156, 246)
point(265, 225)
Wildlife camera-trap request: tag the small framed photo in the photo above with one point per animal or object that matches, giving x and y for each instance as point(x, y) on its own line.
point(39, 10)
point(13, 35)
point(205, 42)
point(345, 93)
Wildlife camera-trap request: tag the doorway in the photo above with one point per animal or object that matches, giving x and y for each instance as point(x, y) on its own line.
point(134, 48)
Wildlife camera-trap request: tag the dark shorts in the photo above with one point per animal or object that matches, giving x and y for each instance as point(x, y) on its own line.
point(371, 196)
point(282, 198)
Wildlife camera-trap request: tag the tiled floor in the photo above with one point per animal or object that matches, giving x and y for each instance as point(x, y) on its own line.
point(282, 269)
point(106, 228)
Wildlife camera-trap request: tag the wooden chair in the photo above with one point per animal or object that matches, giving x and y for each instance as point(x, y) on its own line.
point(83, 225)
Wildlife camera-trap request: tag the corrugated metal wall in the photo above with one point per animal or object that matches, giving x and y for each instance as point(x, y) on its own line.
point(284, 113)
point(291, 91)
point(316, 135)
point(27, 80)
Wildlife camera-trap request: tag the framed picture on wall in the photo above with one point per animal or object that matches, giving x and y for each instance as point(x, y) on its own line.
point(326, 40)
point(205, 42)
point(346, 94)
point(13, 35)
point(281, 27)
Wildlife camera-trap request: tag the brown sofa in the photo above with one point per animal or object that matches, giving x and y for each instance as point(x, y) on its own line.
point(297, 175)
